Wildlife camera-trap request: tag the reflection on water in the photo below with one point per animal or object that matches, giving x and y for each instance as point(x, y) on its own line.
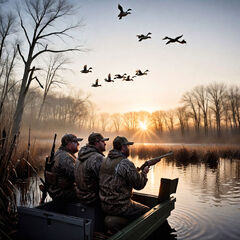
point(208, 197)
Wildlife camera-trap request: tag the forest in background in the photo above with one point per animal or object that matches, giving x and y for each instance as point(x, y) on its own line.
point(31, 67)
point(205, 114)
point(36, 99)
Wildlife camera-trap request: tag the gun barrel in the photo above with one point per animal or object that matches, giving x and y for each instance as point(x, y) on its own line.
point(162, 156)
point(155, 160)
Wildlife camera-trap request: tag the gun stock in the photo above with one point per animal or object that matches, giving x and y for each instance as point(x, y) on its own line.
point(155, 160)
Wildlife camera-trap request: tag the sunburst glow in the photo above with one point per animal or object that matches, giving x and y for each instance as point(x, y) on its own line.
point(143, 125)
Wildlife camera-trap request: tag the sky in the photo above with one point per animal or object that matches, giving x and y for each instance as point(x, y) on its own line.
point(211, 29)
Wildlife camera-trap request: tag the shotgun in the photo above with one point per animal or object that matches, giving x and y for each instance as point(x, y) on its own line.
point(153, 161)
point(48, 166)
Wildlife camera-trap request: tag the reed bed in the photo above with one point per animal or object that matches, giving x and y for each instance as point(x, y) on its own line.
point(184, 154)
point(28, 162)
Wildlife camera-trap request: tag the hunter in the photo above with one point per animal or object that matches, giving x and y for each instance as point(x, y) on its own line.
point(87, 168)
point(61, 178)
point(118, 177)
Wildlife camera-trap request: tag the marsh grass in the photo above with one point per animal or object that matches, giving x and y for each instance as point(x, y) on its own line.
point(209, 154)
point(29, 162)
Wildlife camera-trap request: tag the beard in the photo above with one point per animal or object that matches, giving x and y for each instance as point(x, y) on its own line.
point(126, 153)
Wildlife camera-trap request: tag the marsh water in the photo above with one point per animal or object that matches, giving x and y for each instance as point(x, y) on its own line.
point(208, 197)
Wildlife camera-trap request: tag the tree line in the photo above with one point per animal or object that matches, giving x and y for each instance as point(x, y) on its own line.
point(209, 110)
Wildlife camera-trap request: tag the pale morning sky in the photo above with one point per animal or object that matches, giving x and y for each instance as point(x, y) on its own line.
point(212, 53)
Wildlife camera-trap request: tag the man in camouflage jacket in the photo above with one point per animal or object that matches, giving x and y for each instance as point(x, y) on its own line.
point(118, 176)
point(62, 186)
point(87, 169)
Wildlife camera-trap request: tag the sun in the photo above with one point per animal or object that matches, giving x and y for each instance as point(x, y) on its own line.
point(143, 125)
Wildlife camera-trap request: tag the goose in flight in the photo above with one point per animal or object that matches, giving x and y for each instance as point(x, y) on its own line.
point(140, 73)
point(119, 76)
point(128, 78)
point(173, 40)
point(143, 37)
point(182, 42)
point(85, 70)
point(96, 84)
point(109, 79)
point(122, 13)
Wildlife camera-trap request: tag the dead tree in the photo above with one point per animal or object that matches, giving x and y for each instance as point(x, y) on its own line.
point(190, 101)
point(52, 78)
point(201, 95)
point(6, 76)
point(43, 16)
point(116, 121)
point(217, 94)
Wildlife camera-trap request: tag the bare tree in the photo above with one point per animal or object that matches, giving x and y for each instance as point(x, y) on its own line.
point(92, 117)
point(182, 116)
point(169, 120)
point(130, 121)
point(217, 93)
point(8, 54)
point(5, 74)
point(233, 96)
point(104, 121)
point(226, 115)
point(157, 119)
point(117, 121)
point(43, 16)
point(190, 101)
point(201, 95)
point(52, 78)
point(7, 27)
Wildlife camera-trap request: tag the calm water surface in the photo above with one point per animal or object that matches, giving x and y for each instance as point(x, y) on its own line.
point(208, 199)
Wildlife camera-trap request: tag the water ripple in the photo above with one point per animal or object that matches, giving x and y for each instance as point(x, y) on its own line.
point(194, 224)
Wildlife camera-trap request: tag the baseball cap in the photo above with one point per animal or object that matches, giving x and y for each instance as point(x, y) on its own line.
point(70, 138)
point(120, 141)
point(96, 137)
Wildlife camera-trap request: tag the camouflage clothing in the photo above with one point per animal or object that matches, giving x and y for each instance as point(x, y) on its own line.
point(118, 176)
point(87, 174)
point(63, 167)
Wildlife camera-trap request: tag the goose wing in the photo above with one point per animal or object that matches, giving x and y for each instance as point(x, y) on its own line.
point(166, 38)
point(177, 38)
point(120, 8)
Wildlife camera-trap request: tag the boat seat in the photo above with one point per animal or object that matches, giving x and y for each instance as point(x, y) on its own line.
point(113, 224)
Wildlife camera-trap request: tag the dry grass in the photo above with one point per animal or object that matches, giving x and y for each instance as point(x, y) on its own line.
point(24, 161)
point(209, 154)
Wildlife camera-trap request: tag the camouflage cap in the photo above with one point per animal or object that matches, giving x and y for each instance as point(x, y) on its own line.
point(118, 142)
point(96, 137)
point(70, 138)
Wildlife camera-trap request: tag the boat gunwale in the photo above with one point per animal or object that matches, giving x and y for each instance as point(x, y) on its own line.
point(137, 224)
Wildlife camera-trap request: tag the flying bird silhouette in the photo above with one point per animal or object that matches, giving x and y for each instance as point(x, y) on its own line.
point(96, 84)
point(143, 37)
point(122, 13)
point(109, 79)
point(128, 78)
point(182, 42)
point(140, 73)
point(173, 40)
point(85, 70)
point(119, 76)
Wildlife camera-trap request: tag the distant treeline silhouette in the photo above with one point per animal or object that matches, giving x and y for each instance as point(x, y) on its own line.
point(211, 111)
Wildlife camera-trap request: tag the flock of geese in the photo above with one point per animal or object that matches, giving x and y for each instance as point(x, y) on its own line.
point(124, 76)
point(140, 37)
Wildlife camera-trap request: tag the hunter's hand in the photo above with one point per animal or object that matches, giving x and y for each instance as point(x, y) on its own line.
point(146, 170)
